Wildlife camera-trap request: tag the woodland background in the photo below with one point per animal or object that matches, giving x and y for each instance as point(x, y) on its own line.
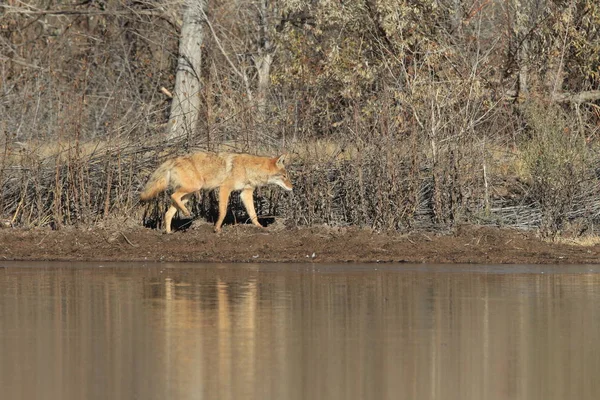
point(397, 114)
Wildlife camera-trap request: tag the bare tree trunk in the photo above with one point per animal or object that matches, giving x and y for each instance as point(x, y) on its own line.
point(556, 64)
point(524, 69)
point(264, 71)
point(263, 60)
point(522, 17)
point(457, 16)
point(185, 108)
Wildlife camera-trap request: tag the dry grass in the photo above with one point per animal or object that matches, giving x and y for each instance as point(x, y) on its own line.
point(583, 241)
point(380, 187)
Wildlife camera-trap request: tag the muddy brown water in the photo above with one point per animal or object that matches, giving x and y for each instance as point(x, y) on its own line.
point(240, 331)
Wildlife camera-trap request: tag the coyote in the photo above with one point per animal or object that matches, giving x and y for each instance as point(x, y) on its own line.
point(226, 171)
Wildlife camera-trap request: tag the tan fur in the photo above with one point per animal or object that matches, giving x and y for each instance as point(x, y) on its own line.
point(227, 171)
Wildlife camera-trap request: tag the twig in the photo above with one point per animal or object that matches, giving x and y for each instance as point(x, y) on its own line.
point(40, 242)
point(128, 241)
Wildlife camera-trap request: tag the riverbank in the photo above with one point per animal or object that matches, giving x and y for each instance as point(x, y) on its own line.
point(245, 243)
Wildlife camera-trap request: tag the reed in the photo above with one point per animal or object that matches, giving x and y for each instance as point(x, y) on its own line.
point(382, 186)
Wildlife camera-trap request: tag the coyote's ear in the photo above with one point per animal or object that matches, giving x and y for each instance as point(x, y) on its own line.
point(281, 160)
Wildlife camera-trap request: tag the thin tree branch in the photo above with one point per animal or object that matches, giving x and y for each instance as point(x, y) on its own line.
point(231, 64)
point(578, 98)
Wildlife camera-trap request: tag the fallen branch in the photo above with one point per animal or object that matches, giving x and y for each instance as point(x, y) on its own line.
point(581, 97)
point(128, 241)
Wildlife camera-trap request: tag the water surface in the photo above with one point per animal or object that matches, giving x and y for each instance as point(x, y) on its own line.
point(192, 331)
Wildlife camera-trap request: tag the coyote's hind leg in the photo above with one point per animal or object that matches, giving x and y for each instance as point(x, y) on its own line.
point(179, 199)
point(168, 217)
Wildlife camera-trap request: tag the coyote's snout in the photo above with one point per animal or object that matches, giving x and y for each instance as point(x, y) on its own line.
point(226, 171)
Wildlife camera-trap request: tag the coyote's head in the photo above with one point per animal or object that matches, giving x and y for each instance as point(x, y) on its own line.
point(279, 175)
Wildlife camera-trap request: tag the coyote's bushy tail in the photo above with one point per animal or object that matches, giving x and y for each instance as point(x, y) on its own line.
point(158, 182)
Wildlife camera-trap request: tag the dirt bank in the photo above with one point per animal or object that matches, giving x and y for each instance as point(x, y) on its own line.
point(244, 243)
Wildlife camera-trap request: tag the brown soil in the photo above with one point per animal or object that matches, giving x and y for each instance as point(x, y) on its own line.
point(245, 243)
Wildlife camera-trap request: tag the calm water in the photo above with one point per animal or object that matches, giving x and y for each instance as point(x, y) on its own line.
point(190, 331)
